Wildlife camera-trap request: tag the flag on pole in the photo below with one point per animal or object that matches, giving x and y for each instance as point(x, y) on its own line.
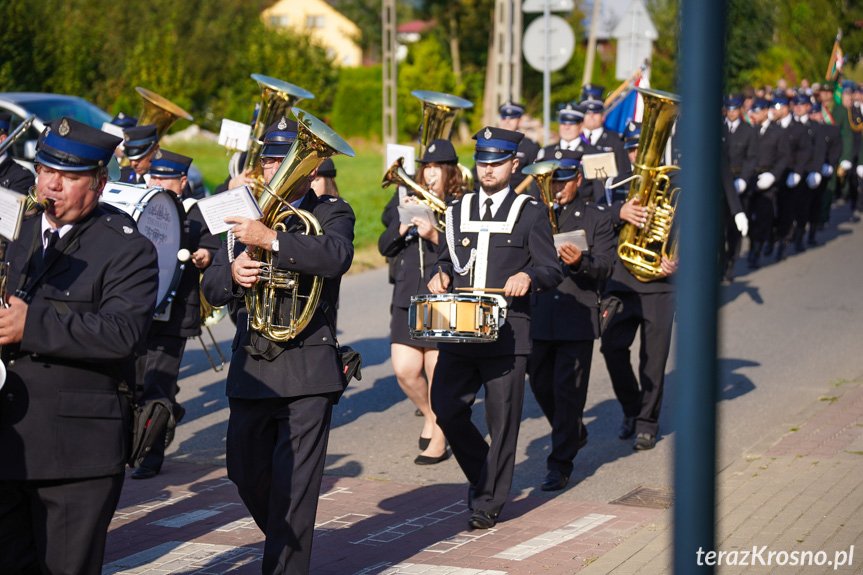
point(837, 59)
point(630, 108)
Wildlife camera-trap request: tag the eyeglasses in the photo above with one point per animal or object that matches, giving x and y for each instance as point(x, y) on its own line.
point(270, 161)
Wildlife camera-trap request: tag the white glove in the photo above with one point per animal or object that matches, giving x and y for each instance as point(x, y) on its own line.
point(792, 180)
point(740, 185)
point(765, 180)
point(860, 171)
point(742, 223)
point(813, 180)
point(826, 170)
point(845, 165)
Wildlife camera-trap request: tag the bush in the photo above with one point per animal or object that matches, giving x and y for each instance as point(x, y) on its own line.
point(357, 103)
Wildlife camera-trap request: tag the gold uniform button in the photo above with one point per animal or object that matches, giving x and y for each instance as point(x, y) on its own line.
point(465, 242)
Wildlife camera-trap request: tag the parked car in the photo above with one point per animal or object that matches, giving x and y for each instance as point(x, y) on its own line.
point(47, 107)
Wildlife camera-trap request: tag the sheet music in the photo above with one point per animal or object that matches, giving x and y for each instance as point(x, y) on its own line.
point(234, 202)
point(408, 211)
point(235, 135)
point(11, 213)
point(396, 151)
point(599, 166)
point(576, 238)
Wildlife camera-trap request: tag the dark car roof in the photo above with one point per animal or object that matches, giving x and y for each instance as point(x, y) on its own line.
point(49, 106)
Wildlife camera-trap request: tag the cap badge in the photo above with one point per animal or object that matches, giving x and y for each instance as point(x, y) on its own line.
point(558, 154)
point(63, 130)
point(159, 155)
point(432, 149)
point(487, 134)
point(126, 137)
point(127, 230)
point(465, 242)
point(282, 123)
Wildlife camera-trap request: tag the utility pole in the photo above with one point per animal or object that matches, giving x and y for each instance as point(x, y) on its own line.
point(390, 84)
point(591, 45)
point(503, 75)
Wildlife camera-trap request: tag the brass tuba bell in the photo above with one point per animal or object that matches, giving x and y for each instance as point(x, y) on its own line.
point(542, 172)
point(160, 111)
point(277, 97)
point(439, 114)
point(641, 248)
point(277, 292)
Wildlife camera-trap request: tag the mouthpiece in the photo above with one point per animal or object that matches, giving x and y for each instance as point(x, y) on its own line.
point(39, 207)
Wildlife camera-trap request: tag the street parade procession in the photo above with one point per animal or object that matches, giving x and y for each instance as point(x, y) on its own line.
point(525, 236)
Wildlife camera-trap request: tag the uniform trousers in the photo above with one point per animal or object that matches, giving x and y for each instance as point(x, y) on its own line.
point(761, 210)
point(276, 449)
point(458, 378)
point(56, 526)
point(158, 372)
point(786, 209)
point(654, 314)
point(816, 203)
point(559, 373)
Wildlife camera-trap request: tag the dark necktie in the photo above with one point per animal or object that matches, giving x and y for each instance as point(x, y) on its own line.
point(50, 241)
point(487, 217)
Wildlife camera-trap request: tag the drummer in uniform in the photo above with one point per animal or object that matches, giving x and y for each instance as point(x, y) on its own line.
point(12, 176)
point(87, 283)
point(158, 370)
point(141, 144)
point(565, 320)
point(500, 241)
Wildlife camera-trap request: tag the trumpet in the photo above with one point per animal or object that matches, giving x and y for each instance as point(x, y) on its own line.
point(397, 175)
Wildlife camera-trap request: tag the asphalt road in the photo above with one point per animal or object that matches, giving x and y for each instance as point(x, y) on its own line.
point(789, 333)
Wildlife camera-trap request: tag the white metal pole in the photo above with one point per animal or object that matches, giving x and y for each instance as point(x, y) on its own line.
point(546, 76)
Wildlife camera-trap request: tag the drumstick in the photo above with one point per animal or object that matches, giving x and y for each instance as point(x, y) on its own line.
point(492, 290)
point(440, 275)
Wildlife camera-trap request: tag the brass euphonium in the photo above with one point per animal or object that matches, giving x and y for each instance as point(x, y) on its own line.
point(641, 248)
point(277, 290)
point(160, 111)
point(439, 113)
point(397, 175)
point(542, 173)
point(277, 98)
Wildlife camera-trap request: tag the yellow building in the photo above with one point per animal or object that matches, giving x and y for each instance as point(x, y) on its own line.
point(323, 23)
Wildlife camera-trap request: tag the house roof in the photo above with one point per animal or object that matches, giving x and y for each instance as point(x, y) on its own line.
point(416, 27)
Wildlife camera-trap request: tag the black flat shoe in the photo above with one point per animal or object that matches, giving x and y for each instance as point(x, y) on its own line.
point(644, 441)
point(424, 443)
point(418, 412)
point(144, 472)
point(426, 460)
point(554, 481)
point(627, 428)
point(481, 520)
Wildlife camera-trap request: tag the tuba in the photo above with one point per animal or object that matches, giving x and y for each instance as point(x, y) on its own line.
point(277, 98)
point(642, 248)
point(279, 290)
point(439, 113)
point(160, 111)
point(397, 175)
point(542, 173)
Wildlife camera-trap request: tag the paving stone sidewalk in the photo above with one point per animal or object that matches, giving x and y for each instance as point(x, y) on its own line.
point(796, 494)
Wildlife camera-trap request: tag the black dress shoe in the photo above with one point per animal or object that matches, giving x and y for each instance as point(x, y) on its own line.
point(554, 481)
point(627, 428)
point(426, 460)
point(419, 412)
point(481, 520)
point(644, 441)
point(424, 443)
point(144, 472)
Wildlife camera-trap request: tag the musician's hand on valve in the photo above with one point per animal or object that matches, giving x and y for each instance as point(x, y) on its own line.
point(439, 283)
point(12, 320)
point(245, 270)
point(243, 179)
point(202, 258)
point(517, 285)
point(252, 232)
point(633, 212)
point(569, 254)
point(425, 229)
point(668, 266)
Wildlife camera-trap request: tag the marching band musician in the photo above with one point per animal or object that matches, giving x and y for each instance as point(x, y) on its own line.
point(739, 140)
point(141, 144)
point(158, 370)
point(829, 141)
point(86, 285)
point(414, 249)
point(565, 320)
point(569, 125)
point(281, 393)
point(515, 235)
point(510, 119)
point(812, 180)
point(12, 176)
point(324, 183)
point(602, 140)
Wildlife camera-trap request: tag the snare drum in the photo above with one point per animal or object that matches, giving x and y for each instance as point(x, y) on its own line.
point(455, 318)
point(160, 217)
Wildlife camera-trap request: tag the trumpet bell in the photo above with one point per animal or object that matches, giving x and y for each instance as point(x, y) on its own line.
point(160, 111)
